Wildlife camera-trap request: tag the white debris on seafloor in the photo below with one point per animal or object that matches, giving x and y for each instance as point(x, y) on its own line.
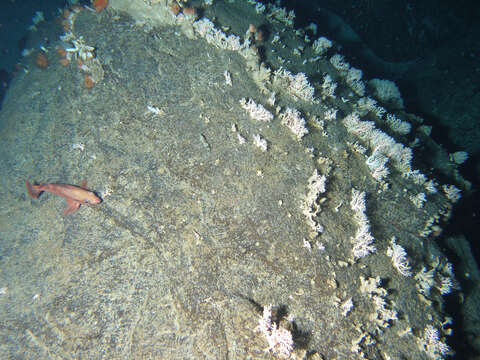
point(260, 142)
point(228, 78)
point(153, 110)
point(78, 146)
point(107, 191)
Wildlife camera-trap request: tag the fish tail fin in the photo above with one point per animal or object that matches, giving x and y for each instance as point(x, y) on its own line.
point(32, 190)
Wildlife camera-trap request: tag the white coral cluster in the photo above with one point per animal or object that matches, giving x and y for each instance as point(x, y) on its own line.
point(396, 125)
point(387, 92)
point(328, 87)
point(377, 162)
point(330, 114)
point(453, 193)
point(292, 119)
point(206, 29)
point(321, 45)
point(260, 8)
point(425, 280)
point(280, 14)
point(435, 348)
point(256, 111)
point(353, 79)
point(300, 87)
point(440, 276)
point(297, 85)
point(363, 240)
point(418, 200)
point(399, 258)
point(279, 339)
point(385, 313)
point(339, 63)
point(400, 155)
point(351, 75)
point(310, 206)
point(367, 105)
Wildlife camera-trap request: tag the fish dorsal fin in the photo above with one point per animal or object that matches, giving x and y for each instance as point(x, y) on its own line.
point(83, 184)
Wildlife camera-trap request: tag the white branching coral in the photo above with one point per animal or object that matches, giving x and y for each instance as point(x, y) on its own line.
point(206, 29)
point(453, 193)
point(321, 45)
point(280, 14)
point(440, 276)
point(256, 111)
point(310, 206)
point(435, 348)
point(362, 242)
point(399, 258)
point(385, 313)
point(418, 200)
point(377, 162)
point(399, 126)
point(292, 119)
point(387, 92)
point(339, 63)
point(353, 79)
point(377, 140)
point(301, 88)
point(279, 339)
point(358, 203)
point(328, 87)
point(446, 284)
point(425, 280)
point(367, 105)
point(296, 85)
point(363, 239)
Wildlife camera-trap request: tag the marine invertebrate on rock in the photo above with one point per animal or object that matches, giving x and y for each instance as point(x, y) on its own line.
point(88, 81)
point(64, 61)
point(99, 5)
point(41, 60)
point(79, 49)
point(61, 51)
